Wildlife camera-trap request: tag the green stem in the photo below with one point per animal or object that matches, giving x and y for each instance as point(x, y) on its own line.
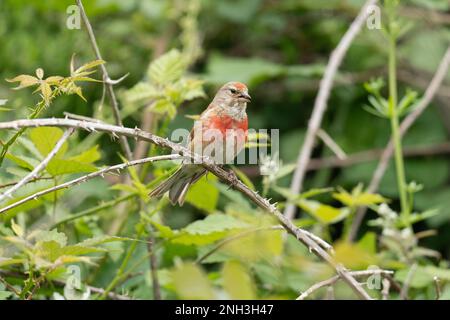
point(396, 137)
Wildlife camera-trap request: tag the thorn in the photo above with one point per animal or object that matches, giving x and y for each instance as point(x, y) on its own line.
point(114, 82)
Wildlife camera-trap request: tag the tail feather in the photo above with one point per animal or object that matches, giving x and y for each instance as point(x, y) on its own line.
point(178, 184)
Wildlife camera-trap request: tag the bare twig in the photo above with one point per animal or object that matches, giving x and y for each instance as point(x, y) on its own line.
point(34, 174)
point(106, 79)
point(320, 103)
point(333, 280)
point(404, 127)
point(87, 177)
point(208, 164)
point(330, 143)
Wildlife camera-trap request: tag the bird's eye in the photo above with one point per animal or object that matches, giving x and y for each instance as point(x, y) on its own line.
point(233, 91)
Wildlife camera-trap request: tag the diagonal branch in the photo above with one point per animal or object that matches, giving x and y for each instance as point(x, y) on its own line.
point(106, 79)
point(404, 127)
point(34, 174)
point(208, 164)
point(320, 104)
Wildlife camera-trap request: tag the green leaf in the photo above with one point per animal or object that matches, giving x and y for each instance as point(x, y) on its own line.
point(88, 66)
point(353, 256)
point(167, 68)
point(45, 139)
point(142, 93)
point(204, 194)
point(52, 235)
point(358, 198)
point(255, 246)
point(5, 294)
point(62, 166)
point(368, 242)
point(21, 162)
point(215, 223)
point(18, 230)
point(103, 239)
point(324, 213)
point(208, 230)
point(420, 278)
point(164, 106)
point(190, 282)
point(89, 156)
point(237, 281)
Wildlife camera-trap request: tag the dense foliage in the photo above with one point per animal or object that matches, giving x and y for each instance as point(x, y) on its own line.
point(108, 236)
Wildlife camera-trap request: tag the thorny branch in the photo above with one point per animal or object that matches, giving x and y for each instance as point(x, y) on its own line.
point(34, 174)
point(87, 177)
point(208, 164)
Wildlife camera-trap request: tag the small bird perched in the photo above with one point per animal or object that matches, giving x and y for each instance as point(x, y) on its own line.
point(220, 133)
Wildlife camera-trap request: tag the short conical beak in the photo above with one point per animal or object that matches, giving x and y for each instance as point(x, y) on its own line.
point(245, 96)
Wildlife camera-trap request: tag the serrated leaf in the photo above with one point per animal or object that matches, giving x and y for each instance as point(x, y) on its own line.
point(45, 139)
point(142, 93)
point(52, 235)
point(167, 68)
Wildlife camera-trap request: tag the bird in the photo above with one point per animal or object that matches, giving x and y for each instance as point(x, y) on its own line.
point(220, 132)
